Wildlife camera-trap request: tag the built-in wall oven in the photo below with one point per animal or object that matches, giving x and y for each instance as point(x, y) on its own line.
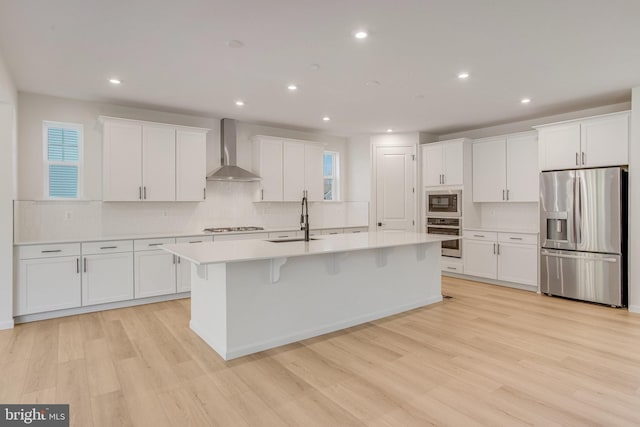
point(444, 203)
point(449, 226)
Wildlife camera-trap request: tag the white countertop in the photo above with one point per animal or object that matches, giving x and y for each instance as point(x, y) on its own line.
point(246, 250)
point(138, 236)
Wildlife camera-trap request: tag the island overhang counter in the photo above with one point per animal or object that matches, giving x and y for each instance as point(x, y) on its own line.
point(252, 295)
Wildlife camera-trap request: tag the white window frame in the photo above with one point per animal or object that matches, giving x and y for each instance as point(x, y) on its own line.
point(46, 124)
point(335, 176)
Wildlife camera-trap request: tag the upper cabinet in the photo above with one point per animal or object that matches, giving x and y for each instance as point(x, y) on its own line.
point(145, 161)
point(505, 168)
point(442, 163)
point(288, 168)
point(590, 142)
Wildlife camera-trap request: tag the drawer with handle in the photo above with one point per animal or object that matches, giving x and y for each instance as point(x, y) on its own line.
point(285, 235)
point(480, 235)
point(47, 251)
point(194, 239)
point(151, 244)
point(451, 267)
point(527, 239)
point(333, 231)
point(106, 247)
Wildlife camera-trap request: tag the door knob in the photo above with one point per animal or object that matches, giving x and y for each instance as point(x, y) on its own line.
point(379, 224)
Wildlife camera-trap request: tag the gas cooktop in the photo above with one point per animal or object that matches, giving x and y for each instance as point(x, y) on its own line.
point(228, 229)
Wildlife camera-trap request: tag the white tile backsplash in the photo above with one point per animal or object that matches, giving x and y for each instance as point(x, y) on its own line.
point(516, 216)
point(227, 204)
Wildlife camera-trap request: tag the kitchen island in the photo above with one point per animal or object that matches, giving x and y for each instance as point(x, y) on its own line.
point(252, 295)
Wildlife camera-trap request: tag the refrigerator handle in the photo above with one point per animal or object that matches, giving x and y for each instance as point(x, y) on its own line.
point(578, 208)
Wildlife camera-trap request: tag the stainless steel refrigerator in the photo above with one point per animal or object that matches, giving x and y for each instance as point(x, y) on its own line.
point(583, 234)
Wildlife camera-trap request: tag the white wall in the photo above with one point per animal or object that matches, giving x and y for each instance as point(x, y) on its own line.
point(359, 168)
point(634, 204)
point(8, 99)
point(227, 204)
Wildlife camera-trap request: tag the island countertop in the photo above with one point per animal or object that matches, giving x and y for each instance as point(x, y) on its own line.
point(245, 250)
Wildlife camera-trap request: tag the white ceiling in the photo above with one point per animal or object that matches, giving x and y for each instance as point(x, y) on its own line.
point(172, 55)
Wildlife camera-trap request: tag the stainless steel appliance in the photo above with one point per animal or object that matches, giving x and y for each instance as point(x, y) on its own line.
point(448, 226)
point(444, 203)
point(583, 226)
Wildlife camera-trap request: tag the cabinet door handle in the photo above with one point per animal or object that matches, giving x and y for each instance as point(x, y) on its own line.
point(108, 247)
point(577, 161)
point(498, 245)
point(515, 238)
point(145, 192)
point(507, 194)
point(77, 265)
point(50, 251)
point(205, 194)
point(179, 259)
point(85, 264)
point(478, 235)
point(451, 268)
point(502, 194)
point(155, 244)
point(140, 192)
point(494, 248)
point(583, 158)
point(196, 241)
point(262, 194)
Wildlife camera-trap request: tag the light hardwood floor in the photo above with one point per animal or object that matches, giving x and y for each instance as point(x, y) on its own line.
point(489, 356)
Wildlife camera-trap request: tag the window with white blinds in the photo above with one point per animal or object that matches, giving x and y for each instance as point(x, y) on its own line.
point(63, 159)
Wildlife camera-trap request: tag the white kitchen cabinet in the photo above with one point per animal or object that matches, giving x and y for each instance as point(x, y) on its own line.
point(158, 163)
point(140, 160)
point(590, 142)
point(47, 281)
point(183, 267)
point(505, 168)
point(509, 257)
point(268, 164)
point(293, 171)
point(288, 168)
point(155, 269)
point(191, 165)
point(313, 171)
point(479, 258)
point(122, 161)
point(107, 278)
point(442, 163)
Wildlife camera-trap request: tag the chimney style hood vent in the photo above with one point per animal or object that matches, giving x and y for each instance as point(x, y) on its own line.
point(229, 171)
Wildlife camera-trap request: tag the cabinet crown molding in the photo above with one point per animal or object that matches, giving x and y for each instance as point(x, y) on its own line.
point(103, 119)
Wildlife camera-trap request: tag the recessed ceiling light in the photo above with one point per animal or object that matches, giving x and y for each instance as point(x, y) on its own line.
point(292, 87)
point(326, 118)
point(314, 67)
point(115, 81)
point(463, 76)
point(234, 44)
point(239, 103)
point(360, 34)
point(525, 100)
point(389, 130)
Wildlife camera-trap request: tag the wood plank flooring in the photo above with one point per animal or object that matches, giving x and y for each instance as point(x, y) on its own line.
point(489, 356)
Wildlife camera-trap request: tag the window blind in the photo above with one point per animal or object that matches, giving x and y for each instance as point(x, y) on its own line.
point(63, 155)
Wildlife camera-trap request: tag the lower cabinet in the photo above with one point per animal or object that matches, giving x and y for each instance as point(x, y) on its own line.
point(107, 278)
point(510, 257)
point(47, 284)
point(183, 268)
point(155, 273)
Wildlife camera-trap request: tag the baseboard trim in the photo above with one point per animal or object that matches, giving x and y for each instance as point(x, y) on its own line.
point(634, 308)
point(7, 324)
point(531, 288)
point(99, 307)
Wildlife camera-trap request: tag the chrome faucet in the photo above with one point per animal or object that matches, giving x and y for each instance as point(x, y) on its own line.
point(304, 216)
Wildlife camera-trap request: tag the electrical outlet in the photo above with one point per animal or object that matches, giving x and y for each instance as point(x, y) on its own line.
point(164, 213)
point(67, 215)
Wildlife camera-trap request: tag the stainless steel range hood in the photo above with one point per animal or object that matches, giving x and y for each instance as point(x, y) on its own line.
point(229, 171)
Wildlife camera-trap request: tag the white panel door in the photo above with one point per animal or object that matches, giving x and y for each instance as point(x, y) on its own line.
point(158, 163)
point(432, 164)
point(293, 171)
point(313, 173)
point(47, 284)
point(122, 162)
point(155, 273)
point(518, 263)
point(559, 146)
point(191, 166)
point(107, 278)
point(489, 170)
point(522, 168)
point(479, 258)
point(268, 164)
point(395, 197)
point(605, 141)
point(453, 163)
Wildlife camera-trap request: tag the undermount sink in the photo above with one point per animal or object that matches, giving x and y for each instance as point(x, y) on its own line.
point(297, 239)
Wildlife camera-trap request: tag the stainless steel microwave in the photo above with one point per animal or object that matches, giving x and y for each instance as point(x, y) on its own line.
point(444, 203)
